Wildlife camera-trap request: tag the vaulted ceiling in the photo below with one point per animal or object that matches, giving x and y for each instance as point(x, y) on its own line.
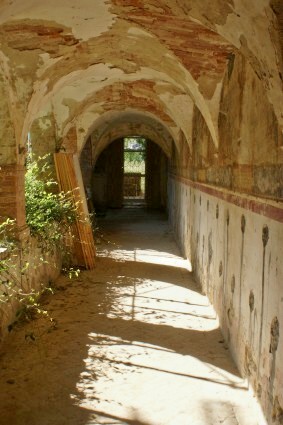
point(82, 61)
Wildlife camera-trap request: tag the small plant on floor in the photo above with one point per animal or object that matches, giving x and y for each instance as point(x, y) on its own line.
point(71, 272)
point(30, 307)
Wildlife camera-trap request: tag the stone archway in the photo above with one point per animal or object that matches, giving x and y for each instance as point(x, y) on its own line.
point(104, 177)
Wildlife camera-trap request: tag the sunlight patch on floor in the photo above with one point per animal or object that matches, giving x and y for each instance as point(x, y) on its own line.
point(148, 256)
point(159, 257)
point(160, 353)
point(128, 375)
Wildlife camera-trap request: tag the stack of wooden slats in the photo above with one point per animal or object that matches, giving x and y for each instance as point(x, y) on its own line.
point(70, 181)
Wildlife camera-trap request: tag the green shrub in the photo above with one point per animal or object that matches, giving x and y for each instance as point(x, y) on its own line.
point(7, 234)
point(49, 213)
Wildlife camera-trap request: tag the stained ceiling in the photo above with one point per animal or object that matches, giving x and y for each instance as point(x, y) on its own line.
point(80, 62)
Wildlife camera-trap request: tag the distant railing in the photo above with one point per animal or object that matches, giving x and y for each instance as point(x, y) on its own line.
point(132, 184)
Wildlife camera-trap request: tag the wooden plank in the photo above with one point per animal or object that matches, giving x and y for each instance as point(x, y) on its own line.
point(70, 181)
point(82, 222)
point(66, 186)
point(86, 229)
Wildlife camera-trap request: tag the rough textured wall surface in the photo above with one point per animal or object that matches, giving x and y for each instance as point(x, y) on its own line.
point(227, 212)
point(43, 269)
point(250, 152)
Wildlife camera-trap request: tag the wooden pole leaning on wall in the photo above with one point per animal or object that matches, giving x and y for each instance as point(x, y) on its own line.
point(70, 181)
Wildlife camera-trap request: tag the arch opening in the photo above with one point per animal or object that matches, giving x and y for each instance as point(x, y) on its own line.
point(134, 170)
point(131, 171)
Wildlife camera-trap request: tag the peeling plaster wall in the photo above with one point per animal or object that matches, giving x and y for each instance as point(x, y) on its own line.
point(227, 212)
point(43, 135)
point(69, 55)
point(205, 73)
point(250, 152)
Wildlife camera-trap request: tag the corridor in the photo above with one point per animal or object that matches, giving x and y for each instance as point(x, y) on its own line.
point(135, 342)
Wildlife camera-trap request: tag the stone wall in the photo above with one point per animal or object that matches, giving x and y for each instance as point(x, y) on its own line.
point(30, 269)
point(227, 212)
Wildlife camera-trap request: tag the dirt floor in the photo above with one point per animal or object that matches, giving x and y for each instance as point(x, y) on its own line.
point(135, 343)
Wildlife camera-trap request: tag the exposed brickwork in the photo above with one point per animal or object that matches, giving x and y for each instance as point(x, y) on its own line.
point(12, 194)
point(138, 95)
point(21, 35)
point(70, 141)
point(198, 48)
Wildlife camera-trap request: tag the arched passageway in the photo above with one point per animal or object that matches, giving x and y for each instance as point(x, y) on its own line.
point(131, 171)
point(202, 80)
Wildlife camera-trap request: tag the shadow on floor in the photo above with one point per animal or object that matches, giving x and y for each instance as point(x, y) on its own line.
point(127, 270)
point(52, 380)
point(46, 373)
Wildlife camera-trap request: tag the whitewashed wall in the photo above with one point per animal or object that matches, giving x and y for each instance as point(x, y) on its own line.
point(237, 259)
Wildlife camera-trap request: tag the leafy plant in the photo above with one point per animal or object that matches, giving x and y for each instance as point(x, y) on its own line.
point(49, 213)
point(71, 272)
point(11, 274)
point(30, 307)
point(7, 234)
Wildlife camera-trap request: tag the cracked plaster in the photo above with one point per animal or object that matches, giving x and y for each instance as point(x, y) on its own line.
point(67, 54)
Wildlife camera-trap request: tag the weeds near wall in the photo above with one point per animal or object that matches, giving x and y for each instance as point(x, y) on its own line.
point(15, 292)
point(49, 215)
